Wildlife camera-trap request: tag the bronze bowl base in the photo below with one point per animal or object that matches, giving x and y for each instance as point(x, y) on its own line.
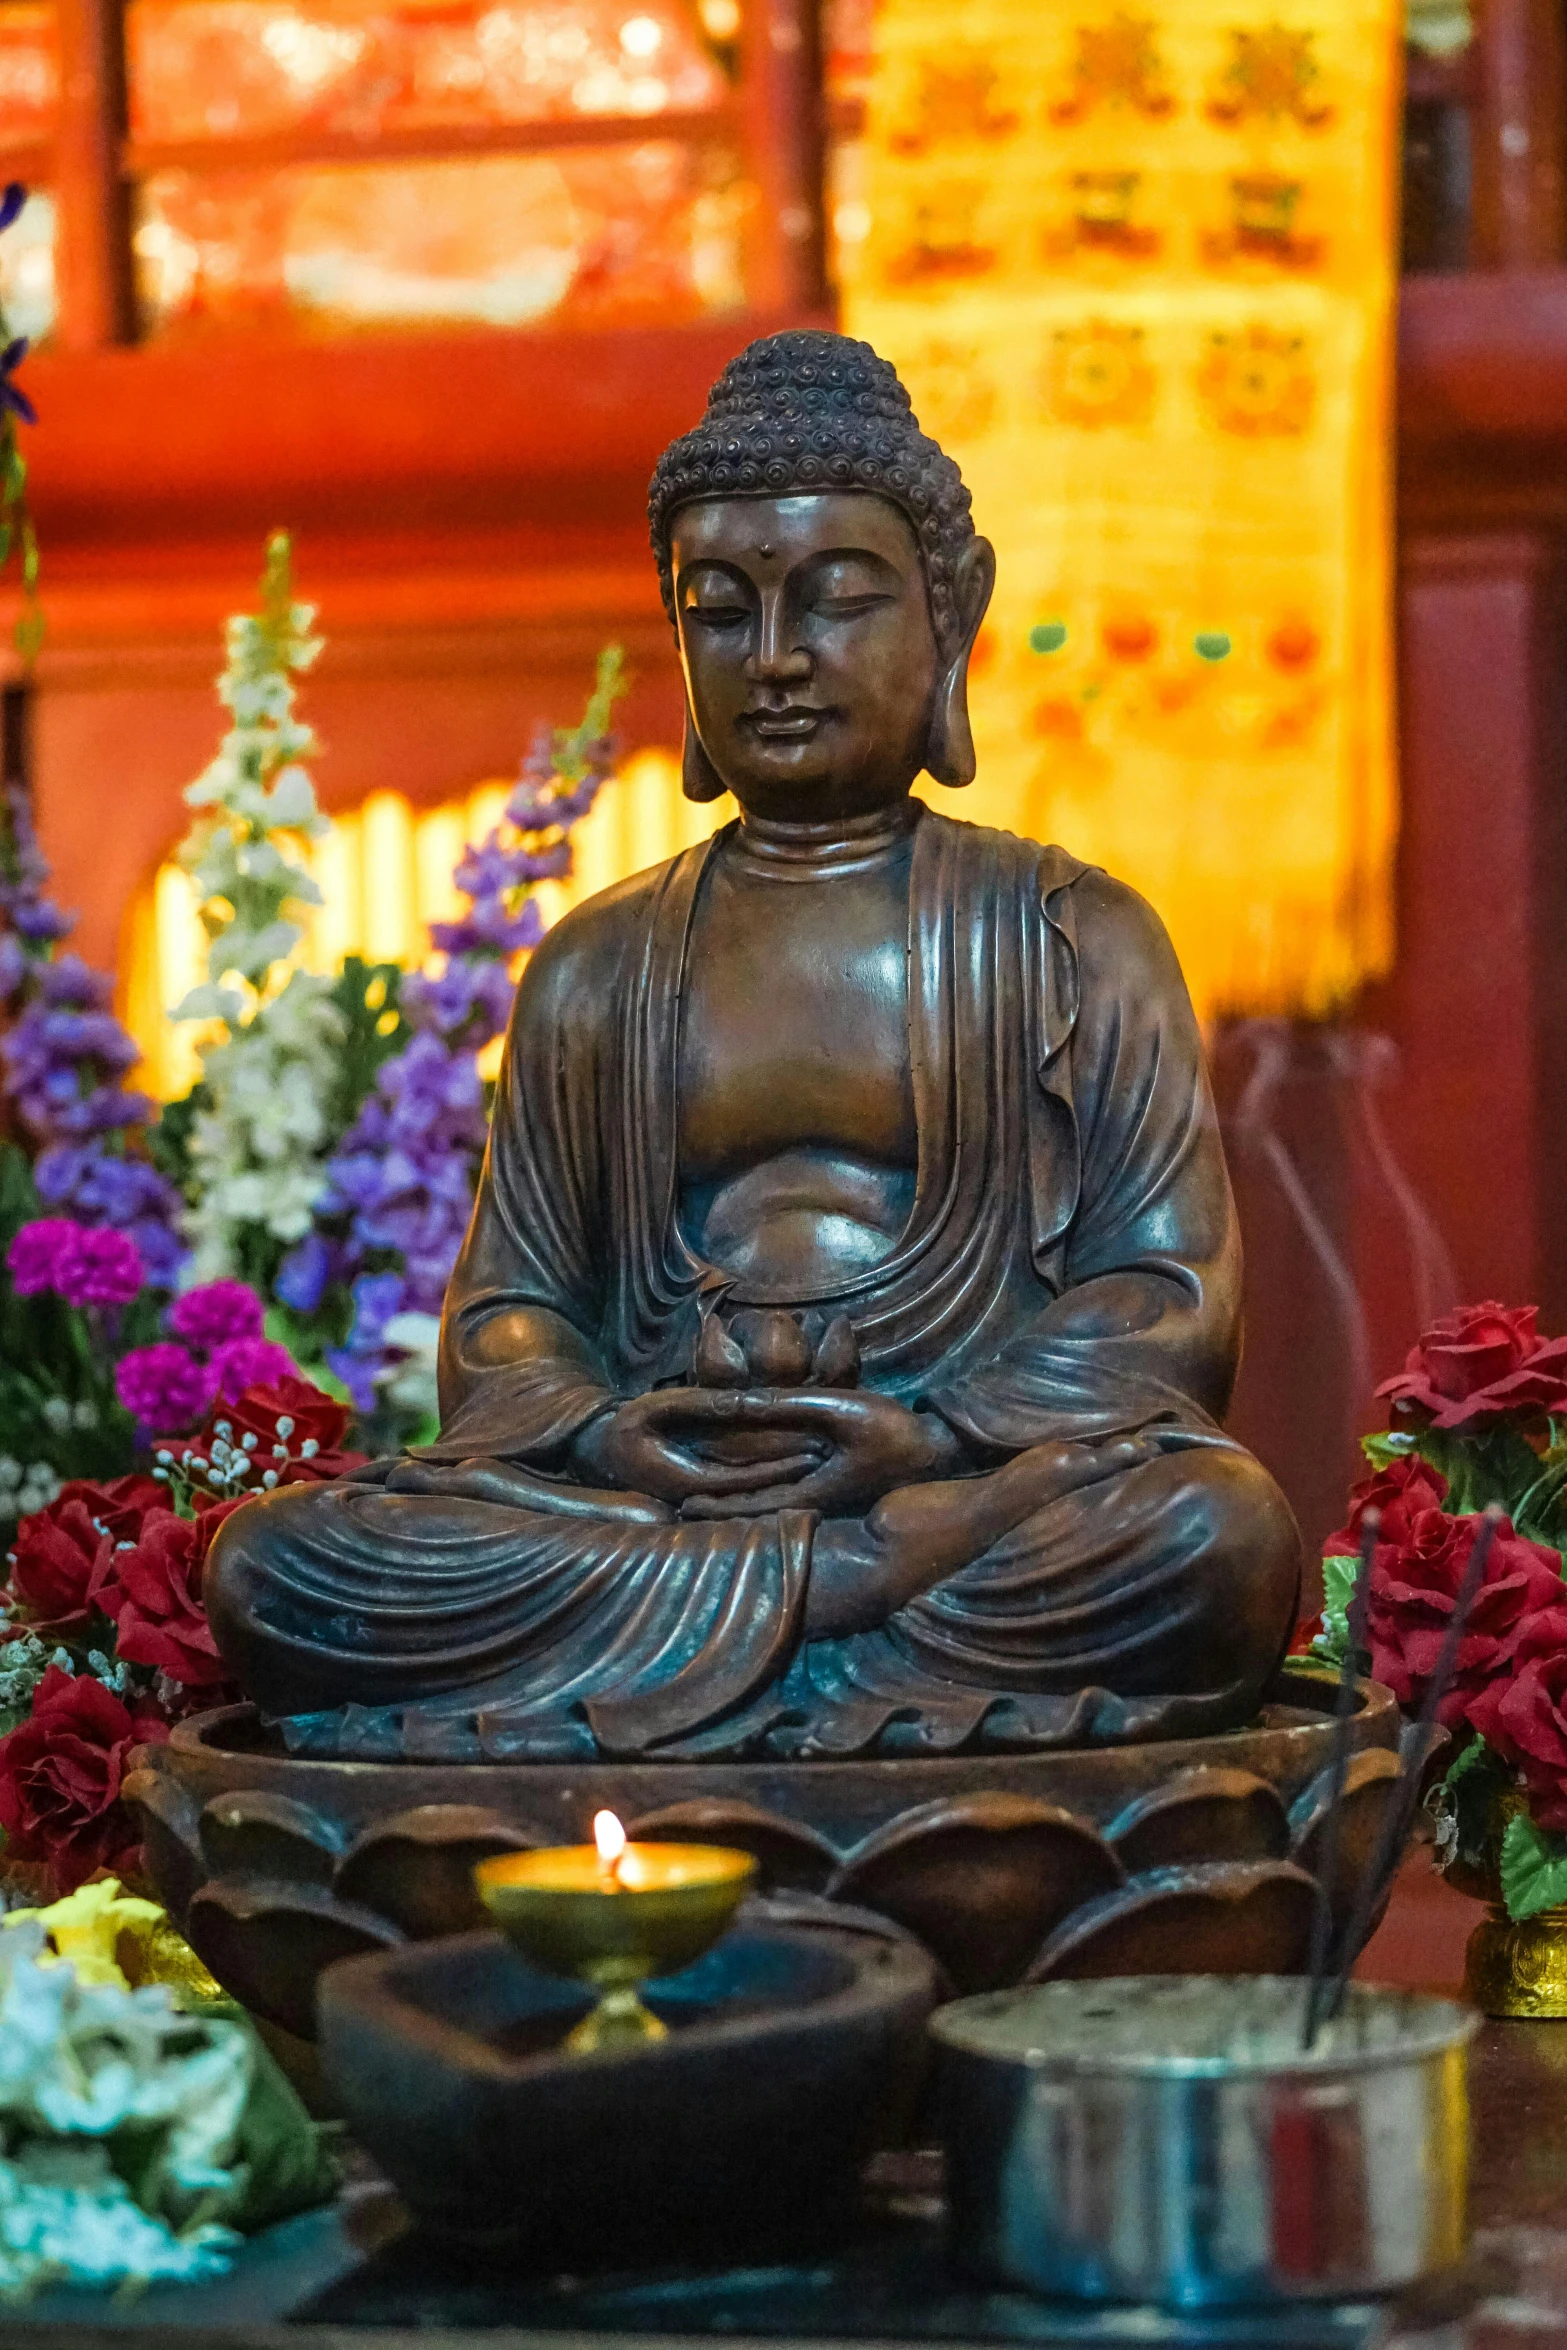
point(791, 2055)
point(1179, 1856)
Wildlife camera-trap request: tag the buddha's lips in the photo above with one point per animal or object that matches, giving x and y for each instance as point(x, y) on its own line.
point(796, 723)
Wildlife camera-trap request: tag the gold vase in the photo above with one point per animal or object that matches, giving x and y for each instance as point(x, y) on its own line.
point(1518, 1967)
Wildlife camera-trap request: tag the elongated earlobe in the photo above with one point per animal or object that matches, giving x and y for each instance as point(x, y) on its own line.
point(949, 745)
point(699, 778)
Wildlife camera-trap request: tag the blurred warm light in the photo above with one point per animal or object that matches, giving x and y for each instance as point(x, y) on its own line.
point(385, 874)
point(1139, 275)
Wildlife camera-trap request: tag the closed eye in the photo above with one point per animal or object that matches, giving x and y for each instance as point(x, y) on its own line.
point(850, 607)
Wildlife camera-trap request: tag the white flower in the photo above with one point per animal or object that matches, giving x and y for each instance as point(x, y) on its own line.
point(81, 2062)
point(260, 1148)
point(39, 1487)
point(411, 1383)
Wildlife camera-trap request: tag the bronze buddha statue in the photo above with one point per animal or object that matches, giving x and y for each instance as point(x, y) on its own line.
point(835, 1361)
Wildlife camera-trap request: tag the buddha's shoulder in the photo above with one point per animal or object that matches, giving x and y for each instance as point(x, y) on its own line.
point(586, 945)
point(1107, 915)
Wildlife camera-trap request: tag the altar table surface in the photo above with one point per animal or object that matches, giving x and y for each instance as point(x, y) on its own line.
point(353, 2278)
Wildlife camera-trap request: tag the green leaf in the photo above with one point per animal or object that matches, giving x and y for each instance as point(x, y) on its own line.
point(1537, 1514)
point(1387, 1445)
point(1496, 1465)
point(288, 2161)
point(367, 995)
point(1338, 1589)
point(1467, 1759)
point(1534, 1868)
point(168, 1142)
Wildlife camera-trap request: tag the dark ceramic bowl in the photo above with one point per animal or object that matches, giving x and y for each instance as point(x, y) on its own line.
point(793, 2052)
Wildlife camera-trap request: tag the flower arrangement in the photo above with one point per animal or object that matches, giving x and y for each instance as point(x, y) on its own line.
point(166, 1278)
point(400, 1182)
point(140, 2134)
point(106, 1641)
point(1478, 1419)
point(261, 1125)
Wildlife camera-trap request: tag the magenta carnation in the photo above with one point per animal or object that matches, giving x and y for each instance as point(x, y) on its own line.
point(35, 1255)
point(249, 1362)
point(215, 1314)
point(163, 1387)
point(101, 1268)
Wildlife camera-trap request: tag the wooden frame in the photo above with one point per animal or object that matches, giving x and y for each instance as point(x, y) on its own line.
point(93, 164)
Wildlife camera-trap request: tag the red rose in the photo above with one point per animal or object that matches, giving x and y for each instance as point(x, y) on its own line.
point(1479, 1363)
point(297, 1431)
point(1414, 1583)
point(60, 1775)
point(1400, 1492)
point(63, 1551)
point(1525, 1716)
point(155, 1598)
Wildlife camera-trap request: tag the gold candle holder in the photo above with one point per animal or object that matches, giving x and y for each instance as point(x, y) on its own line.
point(614, 1914)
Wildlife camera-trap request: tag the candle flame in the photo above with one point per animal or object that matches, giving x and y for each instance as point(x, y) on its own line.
point(609, 1836)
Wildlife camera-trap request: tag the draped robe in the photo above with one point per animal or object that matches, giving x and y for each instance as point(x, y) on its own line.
point(1069, 1270)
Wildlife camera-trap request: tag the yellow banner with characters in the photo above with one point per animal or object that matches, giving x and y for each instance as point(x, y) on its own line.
point(1139, 273)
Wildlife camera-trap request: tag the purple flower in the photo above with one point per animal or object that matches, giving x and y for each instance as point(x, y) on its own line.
point(101, 1268)
point(488, 870)
point(11, 396)
point(37, 1252)
point(40, 921)
point(11, 202)
point(101, 1183)
point(249, 1362)
point(467, 1004)
point(64, 1057)
point(215, 1314)
point(303, 1276)
point(403, 1176)
point(377, 1297)
point(163, 1388)
point(490, 926)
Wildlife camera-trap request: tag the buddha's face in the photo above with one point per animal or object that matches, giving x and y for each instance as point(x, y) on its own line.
point(810, 657)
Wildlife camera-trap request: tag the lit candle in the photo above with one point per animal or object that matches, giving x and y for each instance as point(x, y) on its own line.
point(614, 1913)
point(609, 1839)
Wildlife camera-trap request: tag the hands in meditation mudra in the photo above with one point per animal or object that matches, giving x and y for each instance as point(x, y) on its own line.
point(834, 1363)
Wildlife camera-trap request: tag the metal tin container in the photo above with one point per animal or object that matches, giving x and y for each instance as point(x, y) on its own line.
point(1164, 2138)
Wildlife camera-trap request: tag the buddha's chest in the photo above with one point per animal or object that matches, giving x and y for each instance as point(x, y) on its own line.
point(794, 1021)
point(796, 1103)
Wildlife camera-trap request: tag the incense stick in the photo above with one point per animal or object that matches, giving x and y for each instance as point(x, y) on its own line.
point(1400, 1814)
point(1338, 1767)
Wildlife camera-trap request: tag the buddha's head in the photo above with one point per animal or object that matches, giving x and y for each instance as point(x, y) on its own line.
point(825, 582)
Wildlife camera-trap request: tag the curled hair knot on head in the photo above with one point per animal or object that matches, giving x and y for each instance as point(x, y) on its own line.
point(803, 407)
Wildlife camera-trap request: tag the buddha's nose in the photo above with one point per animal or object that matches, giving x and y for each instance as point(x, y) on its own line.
point(778, 658)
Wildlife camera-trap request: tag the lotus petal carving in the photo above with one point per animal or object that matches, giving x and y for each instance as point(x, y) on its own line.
point(789, 1856)
point(1227, 1918)
point(980, 1879)
point(1369, 1781)
point(253, 1833)
point(1201, 1815)
point(416, 1868)
point(269, 1943)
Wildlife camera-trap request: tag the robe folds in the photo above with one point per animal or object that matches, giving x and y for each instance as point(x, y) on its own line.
point(1069, 1270)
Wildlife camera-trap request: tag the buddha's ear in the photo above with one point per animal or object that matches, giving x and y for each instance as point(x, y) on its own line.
point(699, 778)
point(949, 749)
